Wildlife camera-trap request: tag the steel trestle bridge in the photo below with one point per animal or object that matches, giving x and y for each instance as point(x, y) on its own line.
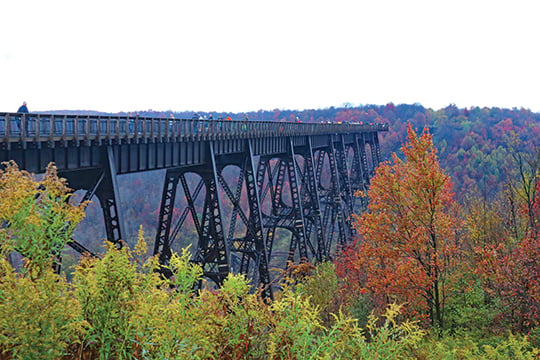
point(296, 178)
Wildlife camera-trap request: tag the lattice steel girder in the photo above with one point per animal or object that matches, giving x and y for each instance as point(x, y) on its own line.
point(344, 181)
point(256, 222)
point(212, 253)
point(162, 244)
point(274, 169)
point(164, 236)
point(363, 158)
point(274, 186)
point(298, 211)
point(108, 194)
point(311, 203)
point(358, 173)
point(250, 245)
point(331, 201)
point(377, 160)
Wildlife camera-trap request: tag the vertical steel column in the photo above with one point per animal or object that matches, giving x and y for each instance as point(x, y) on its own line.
point(344, 180)
point(164, 236)
point(235, 199)
point(191, 202)
point(375, 155)
point(357, 174)
point(162, 243)
point(262, 169)
point(212, 253)
point(108, 194)
point(299, 236)
point(102, 182)
point(377, 147)
point(274, 186)
point(363, 158)
point(331, 198)
point(326, 202)
point(312, 204)
point(261, 260)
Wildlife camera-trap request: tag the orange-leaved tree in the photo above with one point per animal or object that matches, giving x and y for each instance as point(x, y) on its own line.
point(407, 247)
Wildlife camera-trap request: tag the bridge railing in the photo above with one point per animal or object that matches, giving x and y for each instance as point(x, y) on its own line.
point(16, 127)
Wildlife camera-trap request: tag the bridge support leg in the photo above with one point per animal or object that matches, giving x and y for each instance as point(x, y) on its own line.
point(299, 236)
point(212, 252)
point(311, 205)
point(358, 173)
point(162, 243)
point(266, 176)
point(251, 245)
point(271, 177)
point(108, 194)
point(331, 201)
point(377, 156)
point(102, 182)
point(261, 259)
point(363, 159)
point(345, 183)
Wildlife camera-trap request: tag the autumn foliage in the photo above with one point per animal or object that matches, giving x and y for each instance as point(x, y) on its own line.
point(407, 250)
point(510, 268)
point(469, 273)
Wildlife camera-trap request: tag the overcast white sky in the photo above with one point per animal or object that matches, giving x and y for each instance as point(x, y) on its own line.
point(229, 55)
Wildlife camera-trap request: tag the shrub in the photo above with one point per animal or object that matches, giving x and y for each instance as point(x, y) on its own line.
point(39, 317)
point(463, 346)
point(105, 289)
point(37, 220)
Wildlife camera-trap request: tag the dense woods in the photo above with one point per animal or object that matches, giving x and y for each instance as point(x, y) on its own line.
point(446, 263)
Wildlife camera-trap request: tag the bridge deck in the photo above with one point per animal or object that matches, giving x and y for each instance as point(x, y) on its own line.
point(97, 130)
point(74, 142)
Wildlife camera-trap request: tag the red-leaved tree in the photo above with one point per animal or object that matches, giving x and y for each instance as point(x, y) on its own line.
point(511, 267)
point(407, 247)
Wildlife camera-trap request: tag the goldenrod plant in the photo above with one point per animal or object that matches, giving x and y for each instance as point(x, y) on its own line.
point(36, 218)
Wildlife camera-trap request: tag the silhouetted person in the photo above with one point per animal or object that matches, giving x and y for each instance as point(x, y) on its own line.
point(24, 110)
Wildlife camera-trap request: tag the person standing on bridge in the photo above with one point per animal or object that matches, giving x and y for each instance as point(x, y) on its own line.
point(244, 123)
point(23, 109)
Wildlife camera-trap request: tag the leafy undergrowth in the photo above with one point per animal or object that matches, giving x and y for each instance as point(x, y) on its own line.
point(119, 307)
